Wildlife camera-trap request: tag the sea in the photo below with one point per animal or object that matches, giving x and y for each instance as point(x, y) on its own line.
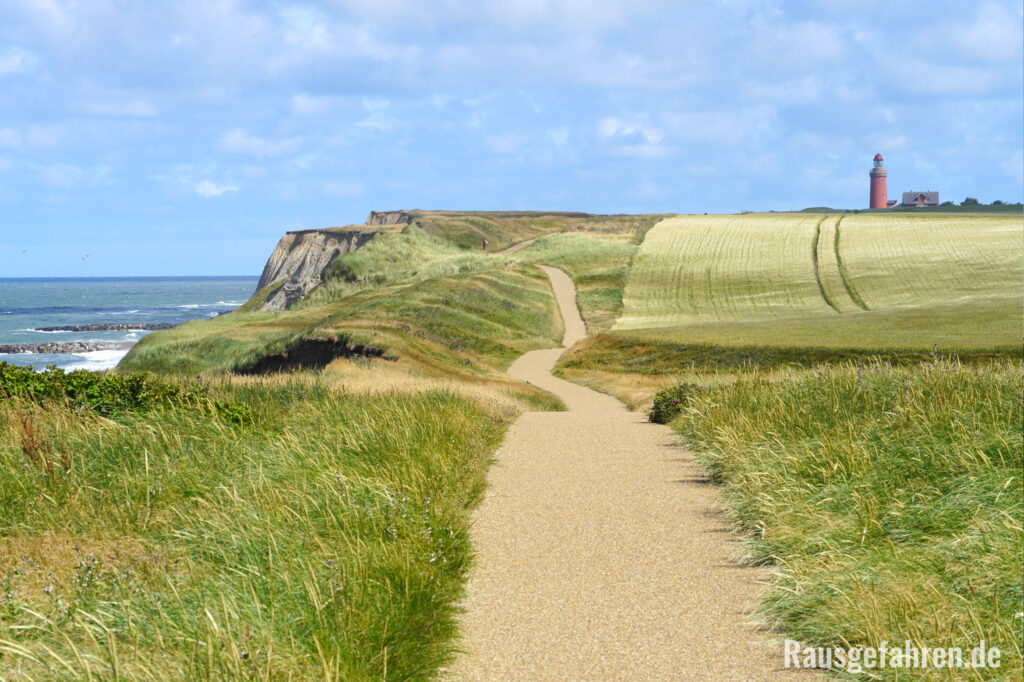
point(26, 304)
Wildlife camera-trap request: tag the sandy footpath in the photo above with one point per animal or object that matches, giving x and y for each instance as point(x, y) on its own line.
point(600, 555)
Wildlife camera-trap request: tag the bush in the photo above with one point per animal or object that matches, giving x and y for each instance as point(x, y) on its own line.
point(670, 402)
point(110, 394)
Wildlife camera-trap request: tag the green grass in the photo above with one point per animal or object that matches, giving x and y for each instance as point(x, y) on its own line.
point(597, 263)
point(886, 500)
point(416, 296)
point(400, 258)
point(504, 228)
point(325, 535)
point(888, 282)
point(328, 540)
point(854, 384)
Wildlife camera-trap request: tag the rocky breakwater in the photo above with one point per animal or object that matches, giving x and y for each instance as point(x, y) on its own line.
point(68, 347)
point(297, 264)
point(108, 327)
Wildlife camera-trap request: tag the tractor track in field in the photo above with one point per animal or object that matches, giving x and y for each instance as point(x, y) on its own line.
point(844, 275)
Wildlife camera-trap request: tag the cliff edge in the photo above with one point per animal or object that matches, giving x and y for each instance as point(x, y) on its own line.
point(297, 264)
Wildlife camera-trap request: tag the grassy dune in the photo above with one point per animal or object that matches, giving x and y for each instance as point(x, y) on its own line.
point(887, 501)
point(900, 281)
point(326, 540)
point(436, 310)
point(598, 264)
point(503, 228)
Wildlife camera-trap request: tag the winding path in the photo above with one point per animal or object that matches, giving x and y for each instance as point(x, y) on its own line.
point(600, 555)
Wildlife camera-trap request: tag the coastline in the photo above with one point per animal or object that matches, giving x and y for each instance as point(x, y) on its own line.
point(91, 323)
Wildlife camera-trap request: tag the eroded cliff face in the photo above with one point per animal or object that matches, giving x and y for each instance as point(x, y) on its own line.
point(389, 218)
point(300, 259)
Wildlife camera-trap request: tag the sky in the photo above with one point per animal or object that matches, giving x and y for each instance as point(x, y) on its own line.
point(184, 138)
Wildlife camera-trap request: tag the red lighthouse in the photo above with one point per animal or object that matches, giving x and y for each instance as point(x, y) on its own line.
point(879, 195)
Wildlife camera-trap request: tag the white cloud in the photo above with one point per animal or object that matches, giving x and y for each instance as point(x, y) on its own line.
point(798, 91)
point(67, 176)
point(310, 105)
point(1014, 167)
point(40, 136)
point(725, 127)
point(210, 189)
point(239, 142)
point(376, 103)
point(800, 44)
point(342, 189)
point(929, 78)
point(559, 136)
point(119, 108)
point(890, 143)
point(613, 127)
point(994, 36)
point(10, 138)
point(507, 144)
point(15, 60)
point(632, 139)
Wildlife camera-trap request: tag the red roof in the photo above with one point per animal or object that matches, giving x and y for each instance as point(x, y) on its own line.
point(878, 157)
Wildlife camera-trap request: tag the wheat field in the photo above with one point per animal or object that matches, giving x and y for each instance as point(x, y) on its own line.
point(861, 280)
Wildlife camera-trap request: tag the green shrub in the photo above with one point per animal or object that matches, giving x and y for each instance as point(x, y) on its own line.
point(670, 402)
point(110, 394)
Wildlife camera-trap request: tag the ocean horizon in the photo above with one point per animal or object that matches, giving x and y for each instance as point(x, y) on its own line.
point(29, 304)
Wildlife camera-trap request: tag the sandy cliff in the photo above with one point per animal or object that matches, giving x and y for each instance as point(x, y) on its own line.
point(300, 258)
point(389, 218)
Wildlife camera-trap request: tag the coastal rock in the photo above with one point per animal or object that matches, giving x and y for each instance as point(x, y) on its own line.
point(299, 260)
point(70, 347)
point(389, 218)
point(108, 327)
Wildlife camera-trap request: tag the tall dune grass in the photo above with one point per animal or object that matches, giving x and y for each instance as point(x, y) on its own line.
point(326, 541)
point(887, 501)
point(598, 265)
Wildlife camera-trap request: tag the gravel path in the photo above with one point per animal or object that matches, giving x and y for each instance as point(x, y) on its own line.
point(515, 247)
point(600, 555)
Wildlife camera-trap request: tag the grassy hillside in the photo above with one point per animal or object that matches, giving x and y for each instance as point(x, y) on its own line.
point(504, 228)
point(323, 538)
point(886, 500)
point(880, 281)
point(433, 309)
point(599, 266)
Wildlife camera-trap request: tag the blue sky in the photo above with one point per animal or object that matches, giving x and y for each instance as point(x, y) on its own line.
point(142, 138)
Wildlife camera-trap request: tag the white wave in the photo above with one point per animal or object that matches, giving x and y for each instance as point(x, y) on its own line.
point(193, 306)
point(97, 360)
point(24, 352)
